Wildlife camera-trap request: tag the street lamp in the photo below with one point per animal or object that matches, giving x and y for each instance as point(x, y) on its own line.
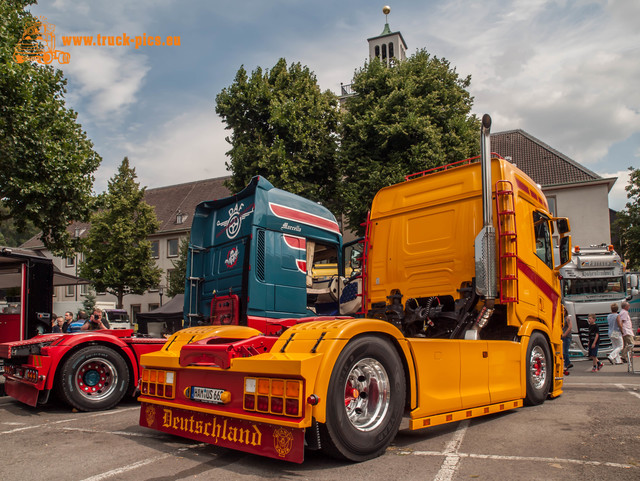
point(161, 292)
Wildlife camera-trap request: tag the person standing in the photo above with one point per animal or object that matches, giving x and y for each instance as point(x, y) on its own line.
point(95, 322)
point(594, 342)
point(76, 326)
point(627, 332)
point(57, 325)
point(566, 342)
point(615, 334)
point(68, 319)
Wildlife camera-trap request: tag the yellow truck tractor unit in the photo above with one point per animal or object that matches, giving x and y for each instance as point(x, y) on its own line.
point(460, 315)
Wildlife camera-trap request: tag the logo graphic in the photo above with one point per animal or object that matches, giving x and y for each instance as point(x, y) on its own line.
point(233, 224)
point(282, 441)
point(38, 43)
point(150, 415)
point(232, 257)
point(296, 228)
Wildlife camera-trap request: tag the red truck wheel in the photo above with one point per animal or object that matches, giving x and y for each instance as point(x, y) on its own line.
point(365, 401)
point(94, 378)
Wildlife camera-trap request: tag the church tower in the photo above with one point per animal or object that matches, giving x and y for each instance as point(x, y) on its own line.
point(389, 46)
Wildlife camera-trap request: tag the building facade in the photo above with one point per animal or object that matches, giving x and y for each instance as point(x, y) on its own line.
point(572, 190)
point(174, 207)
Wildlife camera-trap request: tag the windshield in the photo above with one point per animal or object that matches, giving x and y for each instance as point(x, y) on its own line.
point(117, 317)
point(597, 286)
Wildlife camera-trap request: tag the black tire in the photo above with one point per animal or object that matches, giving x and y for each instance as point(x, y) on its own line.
point(539, 370)
point(361, 427)
point(94, 378)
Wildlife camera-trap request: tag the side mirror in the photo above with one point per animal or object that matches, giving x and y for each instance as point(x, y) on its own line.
point(565, 251)
point(563, 225)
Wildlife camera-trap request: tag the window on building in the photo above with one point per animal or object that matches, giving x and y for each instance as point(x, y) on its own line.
point(172, 248)
point(70, 262)
point(70, 291)
point(153, 306)
point(377, 51)
point(181, 217)
point(155, 249)
point(84, 289)
point(390, 49)
point(384, 51)
point(552, 205)
point(135, 310)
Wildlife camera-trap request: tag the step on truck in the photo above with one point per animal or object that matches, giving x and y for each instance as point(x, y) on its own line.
point(461, 308)
point(89, 370)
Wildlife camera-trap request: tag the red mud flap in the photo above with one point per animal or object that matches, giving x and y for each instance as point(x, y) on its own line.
point(256, 438)
point(25, 393)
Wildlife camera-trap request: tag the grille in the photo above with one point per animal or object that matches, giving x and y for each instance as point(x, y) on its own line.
point(260, 254)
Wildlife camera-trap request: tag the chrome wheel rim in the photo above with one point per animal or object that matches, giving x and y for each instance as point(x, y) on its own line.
point(367, 394)
point(538, 367)
point(96, 379)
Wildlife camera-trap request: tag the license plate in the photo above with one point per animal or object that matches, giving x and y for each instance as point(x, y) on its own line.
point(206, 394)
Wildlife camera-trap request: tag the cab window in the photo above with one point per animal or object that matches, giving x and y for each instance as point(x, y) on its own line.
point(544, 247)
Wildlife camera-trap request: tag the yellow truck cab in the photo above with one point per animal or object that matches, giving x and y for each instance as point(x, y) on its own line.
point(462, 319)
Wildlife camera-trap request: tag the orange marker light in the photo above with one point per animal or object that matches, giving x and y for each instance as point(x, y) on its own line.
point(263, 386)
point(293, 388)
point(277, 387)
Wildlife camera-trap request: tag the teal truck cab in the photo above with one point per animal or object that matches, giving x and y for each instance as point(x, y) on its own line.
point(257, 257)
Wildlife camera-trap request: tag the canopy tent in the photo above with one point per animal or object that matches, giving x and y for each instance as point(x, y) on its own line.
point(164, 320)
point(11, 260)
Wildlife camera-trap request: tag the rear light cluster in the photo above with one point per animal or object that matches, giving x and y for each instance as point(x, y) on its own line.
point(27, 374)
point(274, 396)
point(158, 383)
point(31, 375)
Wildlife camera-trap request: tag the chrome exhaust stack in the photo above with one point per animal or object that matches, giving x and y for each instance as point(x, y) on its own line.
point(485, 242)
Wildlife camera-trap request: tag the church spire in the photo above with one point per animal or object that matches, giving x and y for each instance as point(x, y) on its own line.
point(389, 46)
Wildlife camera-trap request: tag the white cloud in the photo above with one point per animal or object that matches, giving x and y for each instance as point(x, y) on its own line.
point(186, 148)
point(562, 71)
point(617, 196)
point(108, 79)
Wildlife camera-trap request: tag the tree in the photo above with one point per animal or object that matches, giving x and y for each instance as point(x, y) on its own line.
point(627, 223)
point(405, 118)
point(46, 160)
point(89, 301)
point(177, 276)
point(117, 255)
point(9, 234)
point(283, 128)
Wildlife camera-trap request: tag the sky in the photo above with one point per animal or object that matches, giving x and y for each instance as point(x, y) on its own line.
point(564, 71)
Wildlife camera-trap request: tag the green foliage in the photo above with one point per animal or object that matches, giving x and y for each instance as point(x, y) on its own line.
point(405, 118)
point(89, 301)
point(46, 160)
point(627, 223)
point(118, 255)
point(177, 276)
point(10, 235)
point(283, 128)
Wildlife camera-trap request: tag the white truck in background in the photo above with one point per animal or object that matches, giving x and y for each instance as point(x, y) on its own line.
point(591, 282)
